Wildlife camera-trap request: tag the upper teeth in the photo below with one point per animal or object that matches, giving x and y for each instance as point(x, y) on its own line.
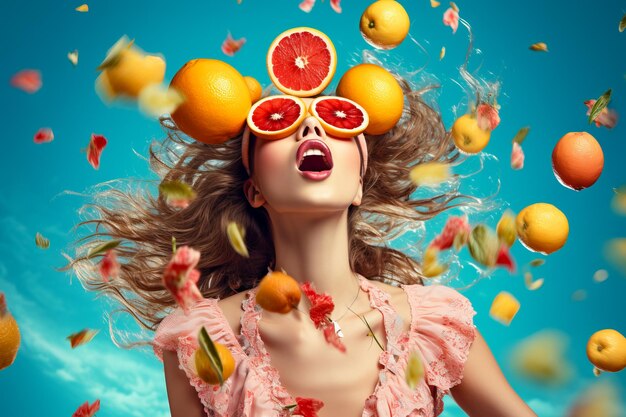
point(313, 152)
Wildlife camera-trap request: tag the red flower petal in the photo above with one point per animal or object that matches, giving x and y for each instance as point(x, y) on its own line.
point(86, 410)
point(321, 305)
point(43, 135)
point(306, 5)
point(505, 259)
point(109, 267)
point(307, 407)
point(180, 277)
point(335, 5)
point(332, 337)
point(451, 18)
point(230, 45)
point(27, 80)
point(96, 145)
point(454, 226)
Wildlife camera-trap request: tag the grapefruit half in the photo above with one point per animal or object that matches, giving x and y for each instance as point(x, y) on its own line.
point(276, 117)
point(339, 116)
point(301, 62)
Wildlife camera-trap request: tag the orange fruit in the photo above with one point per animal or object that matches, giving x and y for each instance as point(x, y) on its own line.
point(217, 100)
point(205, 370)
point(9, 336)
point(468, 136)
point(301, 62)
point(542, 227)
point(278, 292)
point(339, 116)
point(254, 87)
point(130, 72)
point(577, 160)
point(276, 117)
point(377, 91)
point(385, 24)
point(606, 349)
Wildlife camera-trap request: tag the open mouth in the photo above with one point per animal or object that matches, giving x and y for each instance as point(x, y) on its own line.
point(314, 156)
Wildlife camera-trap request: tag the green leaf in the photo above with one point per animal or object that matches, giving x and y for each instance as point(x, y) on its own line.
point(41, 241)
point(537, 262)
point(206, 344)
point(177, 190)
point(599, 105)
point(521, 135)
point(114, 54)
point(414, 370)
point(102, 248)
point(483, 245)
point(622, 23)
point(173, 245)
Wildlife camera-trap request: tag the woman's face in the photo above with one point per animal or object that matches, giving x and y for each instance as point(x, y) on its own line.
point(289, 182)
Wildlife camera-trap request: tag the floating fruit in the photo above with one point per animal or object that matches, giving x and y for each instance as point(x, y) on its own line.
point(606, 349)
point(254, 87)
point(468, 137)
point(376, 89)
point(542, 227)
point(340, 117)
point(276, 117)
point(577, 160)
point(278, 292)
point(217, 100)
point(541, 358)
point(301, 62)
point(504, 307)
point(385, 24)
point(205, 370)
point(506, 228)
point(9, 335)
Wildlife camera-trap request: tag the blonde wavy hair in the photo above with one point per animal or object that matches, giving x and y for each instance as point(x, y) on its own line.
point(146, 223)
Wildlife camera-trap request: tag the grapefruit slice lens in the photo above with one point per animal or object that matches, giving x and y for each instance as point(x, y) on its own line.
point(277, 117)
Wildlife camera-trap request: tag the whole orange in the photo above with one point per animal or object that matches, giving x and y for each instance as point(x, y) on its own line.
point(577, 160)
point(278, 292)
point(606, 350)
point(9, 335)
point(203, 364)
point(216, 103)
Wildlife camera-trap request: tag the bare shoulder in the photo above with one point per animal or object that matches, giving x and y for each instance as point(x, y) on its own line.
point(397, 298)
point(231, 307)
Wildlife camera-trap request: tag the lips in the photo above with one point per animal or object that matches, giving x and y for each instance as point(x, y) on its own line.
point(314, 144)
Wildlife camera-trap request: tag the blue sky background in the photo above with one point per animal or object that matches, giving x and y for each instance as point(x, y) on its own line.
point(542, 90)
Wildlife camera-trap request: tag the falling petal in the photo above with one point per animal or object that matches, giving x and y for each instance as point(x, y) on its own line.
point(334, 4)
point(487, 116)
point(332, 338)
point(322, 305)
point(451, 18)
point(82, 337)
point(41, 241)
point(43, 135)
point(157, 99)
point(599, 105)
point(537, 262)
point(94, 150)
point(541, 358)
point(602, 399)
point(434, 3)
point(454, 6)
point(539, 46)
point(530, 284)
point(619, 200)
point(430, 173)
point(505, 259)
point(615, 253)
point(177, 194)
point(606, 117)
point(622, 23)
point(306, 407)
point(442, 53)
point(306, 5)
point(109, 267)
point(504, 308)
point(102, 248)
point(27, 80)
point(73, 57)
point(414, 370)
point(506, 228)
point(86, 410)
point(181, 277)
point(579, 295)
point(455, 226)
point(230, 46)
point(517, 156)
point(82, 8)
point(600, 275)
point(236, 237)
point(521, 135)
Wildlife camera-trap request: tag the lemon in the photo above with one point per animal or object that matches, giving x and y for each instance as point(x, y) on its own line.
point(468, 137)
point(385, 24)
point(542, 227)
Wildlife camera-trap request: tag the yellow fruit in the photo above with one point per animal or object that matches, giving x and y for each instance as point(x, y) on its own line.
point(543, 228)
point(131, 74)
point(254, 87)
point(385, 24)
point(203, 364)
point(504, 308)
point(606, 349)
point(468, 137)
point(9, 336)
point(506, 228)
point(217, 100)
point(378, 92)
point(278, 292)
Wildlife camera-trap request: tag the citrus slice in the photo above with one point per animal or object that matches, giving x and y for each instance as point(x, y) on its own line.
point(339, 116)
point(301, 62)
point(276, 117)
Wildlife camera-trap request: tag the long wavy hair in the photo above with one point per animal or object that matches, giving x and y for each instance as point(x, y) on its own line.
point(132, 212)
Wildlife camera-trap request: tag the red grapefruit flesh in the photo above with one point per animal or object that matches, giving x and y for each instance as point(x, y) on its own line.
point(276, 117)
point(340, 116)
point(301, 62)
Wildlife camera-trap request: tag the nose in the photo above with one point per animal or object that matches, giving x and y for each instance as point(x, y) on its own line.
point(310, 129)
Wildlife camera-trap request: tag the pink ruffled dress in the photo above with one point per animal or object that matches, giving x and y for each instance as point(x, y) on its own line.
point(441, 331)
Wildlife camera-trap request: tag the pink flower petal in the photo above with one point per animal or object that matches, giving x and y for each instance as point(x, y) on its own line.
point(180, 277)
point(454, 225)
point(333, 338)
point(43, 135)
point(307, 5)
point(230, 46)
point(335, 5)
point(27, 80)
point(96, 145)
point(451, 18)
point(517, 156)
point(109, 267)
point(487, 117)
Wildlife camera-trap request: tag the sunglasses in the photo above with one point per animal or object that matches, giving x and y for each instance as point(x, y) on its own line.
point(277, 117)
